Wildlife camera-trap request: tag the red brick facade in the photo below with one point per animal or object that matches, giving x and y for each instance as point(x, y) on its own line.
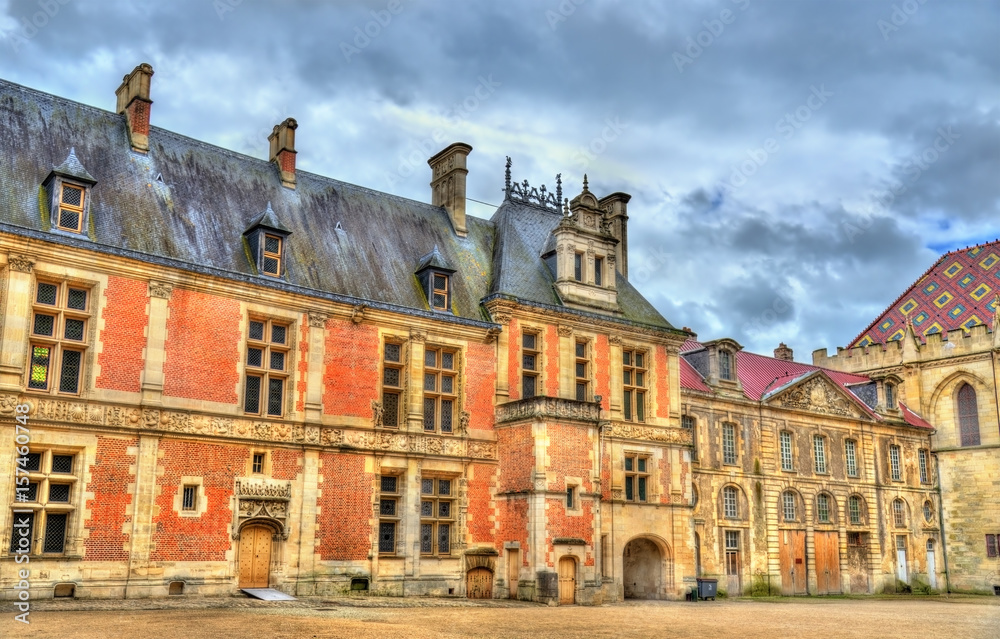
point(551, 344)
point(351, 365)
point(480, 381)
point(517, 458)
point(482, 524)
point(570, 453)
point(662, 382)
point(123, 336)
point(109, 475)
point(344, 526)
point(202, 347)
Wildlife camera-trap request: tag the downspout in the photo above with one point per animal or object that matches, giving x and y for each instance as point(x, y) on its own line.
point(944, 546)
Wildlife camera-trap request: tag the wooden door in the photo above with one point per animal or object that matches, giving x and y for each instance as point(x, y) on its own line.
point(255, 557)
point(479, 583)
point(857, 561)
point(513, 572)
point(567, 580)
point(734, 563)
point(931, 564)
point(827, 563)
point(793, 562)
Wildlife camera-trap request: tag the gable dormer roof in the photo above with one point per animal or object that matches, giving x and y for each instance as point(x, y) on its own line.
point(73, 169)
point(268, 219)
point(435, 261)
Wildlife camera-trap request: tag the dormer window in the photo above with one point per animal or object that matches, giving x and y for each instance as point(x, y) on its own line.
point(68, 187)
point(725, 365)
point(266, 240)
point(890, 396)
point(599, 271)
point(71, 203)
point(436, 278)
point(439, 295)
point(272, 255)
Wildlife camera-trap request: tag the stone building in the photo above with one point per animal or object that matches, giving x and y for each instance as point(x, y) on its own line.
point(220, 372)
point(939, 343)
point(806, 480)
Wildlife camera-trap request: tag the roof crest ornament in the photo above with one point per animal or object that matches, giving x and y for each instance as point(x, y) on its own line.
point(539, 197)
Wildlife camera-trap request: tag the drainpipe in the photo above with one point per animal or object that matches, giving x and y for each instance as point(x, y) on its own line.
point(944, 544)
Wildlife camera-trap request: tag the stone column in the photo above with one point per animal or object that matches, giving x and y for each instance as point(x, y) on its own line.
point(415, 389)
point(567, 359)
point(308, 511)
point(141, 512)
point(617, 383)
point(314, 377)
point(156, 334)
point(16, 298)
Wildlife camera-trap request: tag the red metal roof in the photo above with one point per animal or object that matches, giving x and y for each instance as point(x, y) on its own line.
point(912, 418)
point(692, 379)
point(760, 374)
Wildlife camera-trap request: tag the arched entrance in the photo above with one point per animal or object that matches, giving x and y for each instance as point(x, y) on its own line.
point(645, 567)
point(479, 583)
point(255, 556)
point(567, 580)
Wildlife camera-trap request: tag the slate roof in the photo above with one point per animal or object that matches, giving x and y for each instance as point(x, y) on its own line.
point(186, 204)
point(958, 291)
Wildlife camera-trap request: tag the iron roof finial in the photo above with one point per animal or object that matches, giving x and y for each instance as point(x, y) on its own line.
point(506, 180)
point(585, 189)
point(559, 187)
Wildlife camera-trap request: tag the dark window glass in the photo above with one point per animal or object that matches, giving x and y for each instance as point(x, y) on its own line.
point(642, 489)
point(22, 531)
point(444, 486)
point(387, 507)
point(271, 244)
point(257, 330)
point(444, 538)
point(270, 265)
point(429, 410)
point(446, 415)
point(74, 329)
point(33, 462)
point(392, 352)
point(387, 536)
point(44, 324)
point(427, 537)
point(390, 409)
point(426, 509)
point(388, 483)
point(427, 486)
point(46, 293)
point(528, 386)
point(255, 357)
point(578, 267)
point(968, 416)
point(581, 392)
point(69, 381)
point(77, 299)
point(188, 498)
point(275, 388)
point(258, 462)
point(629, 492)
point(251, 402)
point(390, 377)
point(59, 493)
point(278, 333)
point(55, 532)
point(277, 361)
point(599, 271)
point(448, 361)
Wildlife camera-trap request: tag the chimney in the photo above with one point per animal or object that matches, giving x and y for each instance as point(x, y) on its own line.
point(448, 171)
point(783, 352)
point(134, 102)
point(615, 208)
point(282, 141)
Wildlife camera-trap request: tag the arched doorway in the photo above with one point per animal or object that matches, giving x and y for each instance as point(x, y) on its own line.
point(643, 570)
point(255, 556)
point(567, 580)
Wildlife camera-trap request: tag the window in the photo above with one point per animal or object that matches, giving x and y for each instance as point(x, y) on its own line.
point(599, 271)
point(258, 463)
point(271, 264)
point(267, 368)
point(582, 372)
point(71, 202)
point(928, 511)
point(733, 561)
point(570, 497)
point(388, 512)
point(851, 454)
point(392, 384)
point(823, 508)
point(530, 364)
point(895, 472)
point(890, 396)
point(854, 510)
point(786, 451)
point(634, 382)
point(991, 546)
point(725, 365)
point(923, 457)
point(436, 516)
point(728, 444)
point(43, 501)
point(440, 390)
point(687, 421)
point(968, 416)
point(439, 292)
point(819, 453)
point(189, 499)
point(636, 478)
point(730, 503)
point(578, 267)
point(899, 513)
point(788, 505)
point(58, 334)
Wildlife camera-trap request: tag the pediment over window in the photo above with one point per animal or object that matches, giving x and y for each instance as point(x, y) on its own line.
point(816, 393)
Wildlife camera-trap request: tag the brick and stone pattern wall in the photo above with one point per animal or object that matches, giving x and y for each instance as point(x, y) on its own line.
point(202, 347)
point(123, 337)
point(481, 513)
point(286, 464)
point(480, 381)
point(206, 537)
point(663, 382)
point(301, 386)
point(512, 520)
point(344, 526)
point(551, 361)
point(110, 475)
point(351, 364)
point(570, 453)
point(602, 371)
point(515, 445)
point(563, 524)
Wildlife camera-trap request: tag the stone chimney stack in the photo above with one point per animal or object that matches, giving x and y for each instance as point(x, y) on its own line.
point(448, 173)
point(783, 352)
point(134, 102)
point(615, 207)
point(282, 141)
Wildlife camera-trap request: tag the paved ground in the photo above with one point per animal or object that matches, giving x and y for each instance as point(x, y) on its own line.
point(225, 618)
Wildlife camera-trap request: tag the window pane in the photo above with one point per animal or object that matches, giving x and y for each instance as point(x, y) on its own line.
point(71, 195)
point(598, 271)
point(581, 349)
point(27, 493)
point(640, 406)
point(270, 265)
point(641, 463)
point(44, 324)
point(59, 493)
point(55, 532)
point(271, 244)
point(32, 463)
point(277, 361)
point(62, 463)
point(46, 293)
point(968, 416)
point(257, 330)
point(528, 341)
point(627, 378)
point(444, 538)
point(638, 360)
point(528, 362)
point(627, 358)
point(444, 486)
point(387, 537)
point(387, 507)
point(69, 380)
point(427, 486)
point(275, 395)
point(251, 402)
point(578, 267)
point(444, 509)
point(440, 301)
point(440, 282)
point(74, 329)
point(447, 413)
point(426, 509)
point(278, 333)
point(448, 361)
point(642, 489)
point(581, 392)
point(392, 352)
point(255, 357)
point(430, 358)
point(447, 384)
point(390, 409)
point(39, 367)
point(22, 531)
point(390, 377)
point(429, 409)
point(187, 499)
point(77, 299)
point(581, 369)
point(388, 483)
point(258, 463)
point(627, 405)
point(629, 461)
point(528, 386)
point(628, 488)
point(69, 219)
point(426, 538)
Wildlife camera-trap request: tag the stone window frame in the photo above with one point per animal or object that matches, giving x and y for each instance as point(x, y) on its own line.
point(726, 365)
point(278, 255)
point(732, 459)
point(57, 343)
point(898, 509)
point(969, 427)
point(383, 517)
point(894, 462)
point(862, 510)
point(790, 449)
point(435, 519)
point(583, 382)
point(637, 475)
point(201, 502)
point(438, 395)
point(634, 395)
point(831, 509)
point(265, 470)
point(538, 352)
point(851, 468)
point(924, 463)
point(42, 506)
point(576, 485)
point(789, 499)
point(739, 501)
point(264, 371)
point(820, 465)
point(398, 390)
point(928, 511)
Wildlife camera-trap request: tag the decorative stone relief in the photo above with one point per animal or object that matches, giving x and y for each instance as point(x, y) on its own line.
point(317, 319)
point(564, 331)
point(162, 290)
point(615, 340)
point(262, 500)
point(817, 395)
point(651, 433)
point(20, 263)
point(418, 336)
point(463, 423)
point(377, 413)
point(542, 407)
point(358, 313)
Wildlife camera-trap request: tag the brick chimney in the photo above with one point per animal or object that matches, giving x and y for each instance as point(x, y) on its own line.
point(134, 102)
point(783, 352)
point(448, 172)
point(615, 208)
point(282, 141)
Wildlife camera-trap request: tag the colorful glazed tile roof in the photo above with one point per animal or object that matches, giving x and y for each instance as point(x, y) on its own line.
point(958, 291)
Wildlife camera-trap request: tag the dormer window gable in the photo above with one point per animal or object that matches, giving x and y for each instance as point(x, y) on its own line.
point(436, 278)
point(722, 362)
point(68, 189)
point(887, 392)
point(266, 242)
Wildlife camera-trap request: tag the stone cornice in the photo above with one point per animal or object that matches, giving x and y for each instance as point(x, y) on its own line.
point(548, 408)
point(641, 432)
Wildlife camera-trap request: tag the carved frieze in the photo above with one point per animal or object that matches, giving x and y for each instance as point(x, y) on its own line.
point(818, 396)
point(564, 331)
point(20, 263)
point(263, 488)
point(547, 408)
point(162, 290)
point(418, 337)
point(317, 319)
point(651, 433)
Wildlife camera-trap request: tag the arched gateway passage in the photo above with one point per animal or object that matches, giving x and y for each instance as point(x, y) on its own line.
point(647, 571)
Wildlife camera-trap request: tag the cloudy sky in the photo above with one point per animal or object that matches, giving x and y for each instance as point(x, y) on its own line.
point(794, 165)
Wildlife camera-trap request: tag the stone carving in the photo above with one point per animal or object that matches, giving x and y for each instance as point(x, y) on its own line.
point(358, 313)
point(418, 336)
point(311, 434)
point(564, 331)
point(20, 263)
point(392, 441)
point(377, 413)
point(8, 404)
point(615, 340)
point(493, 334)
point(651, 433)
point(482, 450)
point(160, 289)
point(221, 426)
point(463, 423)
point(317, 319)
point(818, 396)
point(332, 437)
point(542, 407)
point(151, 418)
point(263, 488)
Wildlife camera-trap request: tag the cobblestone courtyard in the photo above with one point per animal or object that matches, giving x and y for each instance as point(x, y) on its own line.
point(941, 618)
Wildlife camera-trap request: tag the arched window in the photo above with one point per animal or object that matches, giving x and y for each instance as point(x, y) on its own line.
point(856, 510)
point(730, 502)
point(890, 396)
point(898, 513)
point(826, 509)
point(788, 505)
point(725, 365)
point(968, 416)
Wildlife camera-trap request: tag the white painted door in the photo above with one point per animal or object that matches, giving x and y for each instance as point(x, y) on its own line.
point(931, 567)
point(901, 558)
